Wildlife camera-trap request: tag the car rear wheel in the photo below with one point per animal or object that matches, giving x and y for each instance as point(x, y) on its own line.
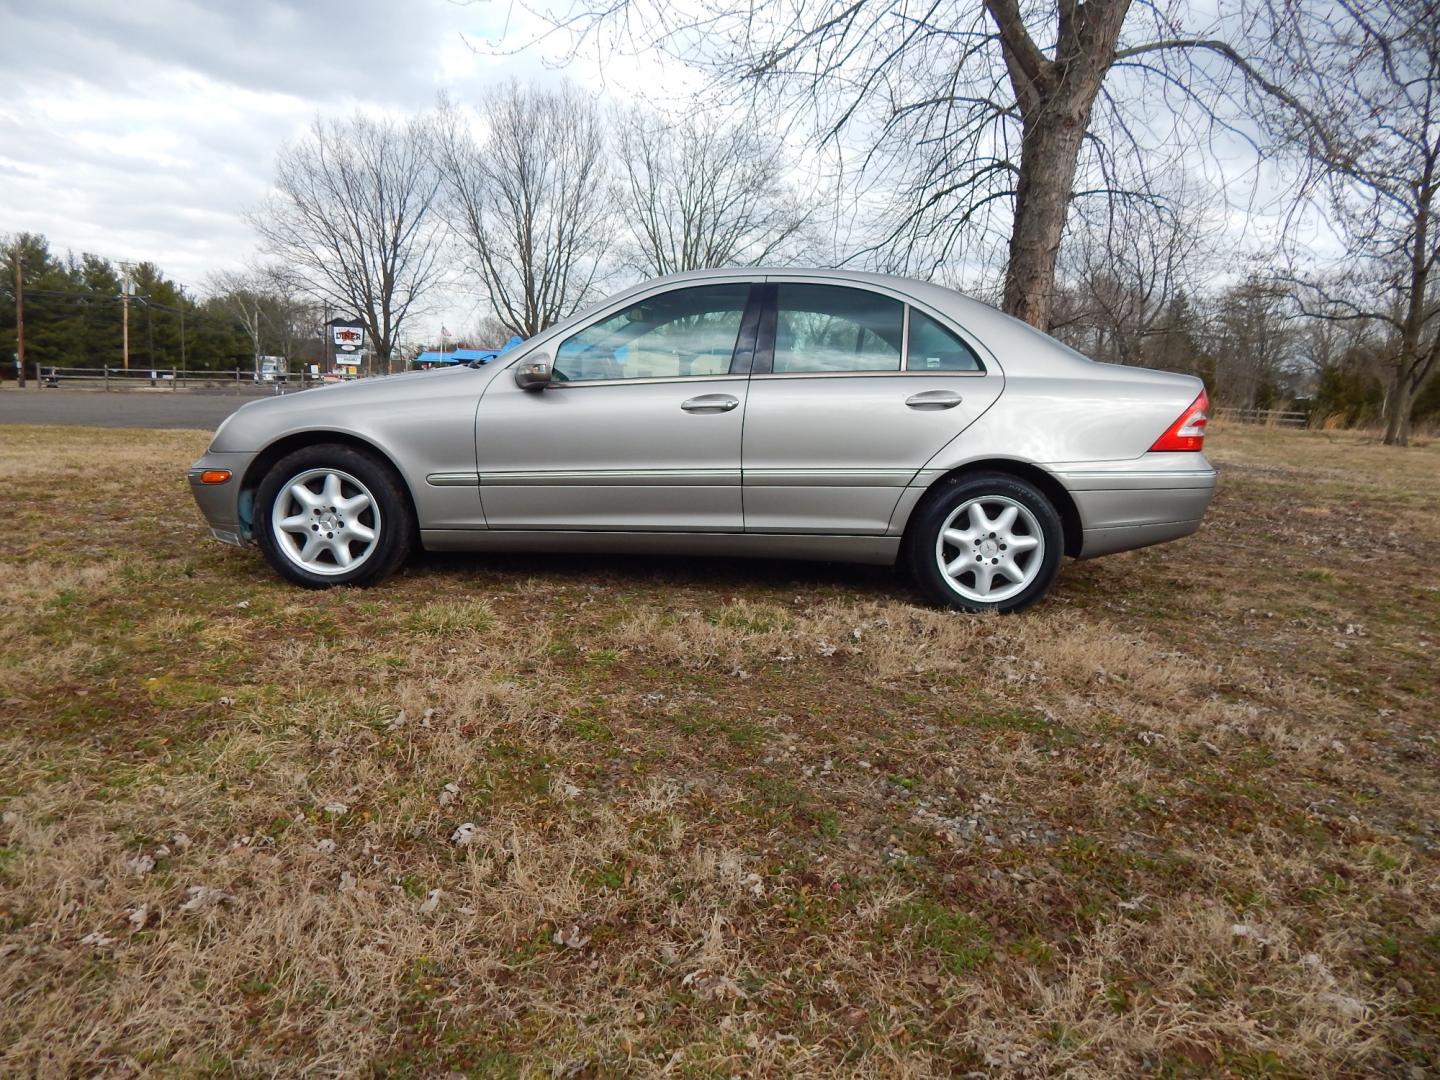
point(987, 542)
point(333, 515)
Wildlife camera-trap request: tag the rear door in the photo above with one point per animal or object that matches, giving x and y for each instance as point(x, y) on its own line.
point(853, 390)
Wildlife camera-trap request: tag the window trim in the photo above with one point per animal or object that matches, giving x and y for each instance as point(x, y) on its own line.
point(765, 344)
point(645, 380)
point(763, 363)
point(745, 340)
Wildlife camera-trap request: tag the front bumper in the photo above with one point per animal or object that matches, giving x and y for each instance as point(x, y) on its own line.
point(224, 506)
point(1131, 504)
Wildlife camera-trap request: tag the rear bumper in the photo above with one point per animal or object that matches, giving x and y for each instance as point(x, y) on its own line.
point(221, 504)
point(1131, 504)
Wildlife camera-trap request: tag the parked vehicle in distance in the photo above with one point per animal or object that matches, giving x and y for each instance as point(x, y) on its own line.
point(779, 413)
point(272, 369)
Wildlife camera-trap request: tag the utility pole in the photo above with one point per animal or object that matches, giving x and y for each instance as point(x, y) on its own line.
point(150, 334)
point(125, 317)
point(20, 314)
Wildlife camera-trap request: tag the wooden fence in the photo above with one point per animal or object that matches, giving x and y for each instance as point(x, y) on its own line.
point(1267, 417)
point(240, 380)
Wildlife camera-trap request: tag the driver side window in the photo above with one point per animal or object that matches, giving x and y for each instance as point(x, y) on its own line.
point(674, 335)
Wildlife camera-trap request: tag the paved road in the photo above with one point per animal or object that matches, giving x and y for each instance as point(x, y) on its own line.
point(127, 408)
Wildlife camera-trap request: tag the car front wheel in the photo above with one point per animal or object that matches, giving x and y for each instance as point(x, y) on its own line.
point(987, 542)
point(333, 515)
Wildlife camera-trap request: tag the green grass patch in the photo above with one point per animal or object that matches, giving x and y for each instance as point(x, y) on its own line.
point(960, 940)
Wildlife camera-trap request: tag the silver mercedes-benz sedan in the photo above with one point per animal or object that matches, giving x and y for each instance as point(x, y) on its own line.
point(778, 413)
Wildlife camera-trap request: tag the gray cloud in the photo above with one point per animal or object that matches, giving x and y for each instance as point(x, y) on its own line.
point(325, 50)
point(144, 130)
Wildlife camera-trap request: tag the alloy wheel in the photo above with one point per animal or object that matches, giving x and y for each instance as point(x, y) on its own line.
point(325, 521)
point(990, 549)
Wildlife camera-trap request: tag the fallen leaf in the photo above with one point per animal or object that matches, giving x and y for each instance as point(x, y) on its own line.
point(571, 939)
point(204, 897)
point(464, 835)
point(140, 864)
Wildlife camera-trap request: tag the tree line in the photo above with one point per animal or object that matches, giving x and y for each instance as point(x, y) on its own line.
point(74, 317)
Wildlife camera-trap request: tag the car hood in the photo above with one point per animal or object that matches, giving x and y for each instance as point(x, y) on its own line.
point(384, 384)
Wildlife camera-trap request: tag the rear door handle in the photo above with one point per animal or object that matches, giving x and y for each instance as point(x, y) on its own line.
point(934, 399)
point(710, 403)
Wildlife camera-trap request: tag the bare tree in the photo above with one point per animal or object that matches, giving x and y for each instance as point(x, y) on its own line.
point(997, 116)
point(1255, 342)
point(487, 330)
point(268, 302)
point(1368, 74)
point(1124, 264)
point(530, 200)
point(351, 219)
point(704, 193)
point(291, 315)
point(241, 295)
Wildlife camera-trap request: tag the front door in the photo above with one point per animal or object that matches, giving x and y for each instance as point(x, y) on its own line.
point(839, 417)
point(640, 429)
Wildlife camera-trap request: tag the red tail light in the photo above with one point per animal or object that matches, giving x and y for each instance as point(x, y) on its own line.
point(1188, 430)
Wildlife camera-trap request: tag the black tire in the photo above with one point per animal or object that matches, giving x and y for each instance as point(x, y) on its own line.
point(394, 538)
point(930, 517)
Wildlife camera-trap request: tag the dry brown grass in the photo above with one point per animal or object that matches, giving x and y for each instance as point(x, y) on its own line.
point(725, 818)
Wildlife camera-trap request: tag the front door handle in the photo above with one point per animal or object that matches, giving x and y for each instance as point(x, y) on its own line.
point(933, 399)
point(710, 403)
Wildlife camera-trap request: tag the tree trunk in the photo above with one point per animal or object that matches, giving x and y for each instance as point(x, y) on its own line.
point(1054, 98)
point(1397, 410)
point(1051, 149)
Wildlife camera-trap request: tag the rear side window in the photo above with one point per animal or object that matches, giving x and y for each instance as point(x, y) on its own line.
point(934, 348)
point(821, 328)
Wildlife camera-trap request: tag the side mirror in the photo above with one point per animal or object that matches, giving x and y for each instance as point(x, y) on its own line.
point(533, 374)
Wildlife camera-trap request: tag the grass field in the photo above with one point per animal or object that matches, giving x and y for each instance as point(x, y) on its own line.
point(719, 818)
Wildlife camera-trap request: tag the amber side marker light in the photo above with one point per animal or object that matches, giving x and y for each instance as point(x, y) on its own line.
point(214, 476)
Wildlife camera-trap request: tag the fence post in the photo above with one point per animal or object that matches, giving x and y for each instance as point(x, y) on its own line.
point(107, 378)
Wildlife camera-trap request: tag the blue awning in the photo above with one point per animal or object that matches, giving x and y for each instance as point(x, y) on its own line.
point(458, 356)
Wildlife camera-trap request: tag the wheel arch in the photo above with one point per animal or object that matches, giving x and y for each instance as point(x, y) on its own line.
point(1052, 489)
point(266, 458)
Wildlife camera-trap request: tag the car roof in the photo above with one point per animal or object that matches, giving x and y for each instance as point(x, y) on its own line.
point(998, 331)
point(1015, 344)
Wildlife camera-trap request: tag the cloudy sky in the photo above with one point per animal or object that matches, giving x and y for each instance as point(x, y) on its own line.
point(143, 129)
